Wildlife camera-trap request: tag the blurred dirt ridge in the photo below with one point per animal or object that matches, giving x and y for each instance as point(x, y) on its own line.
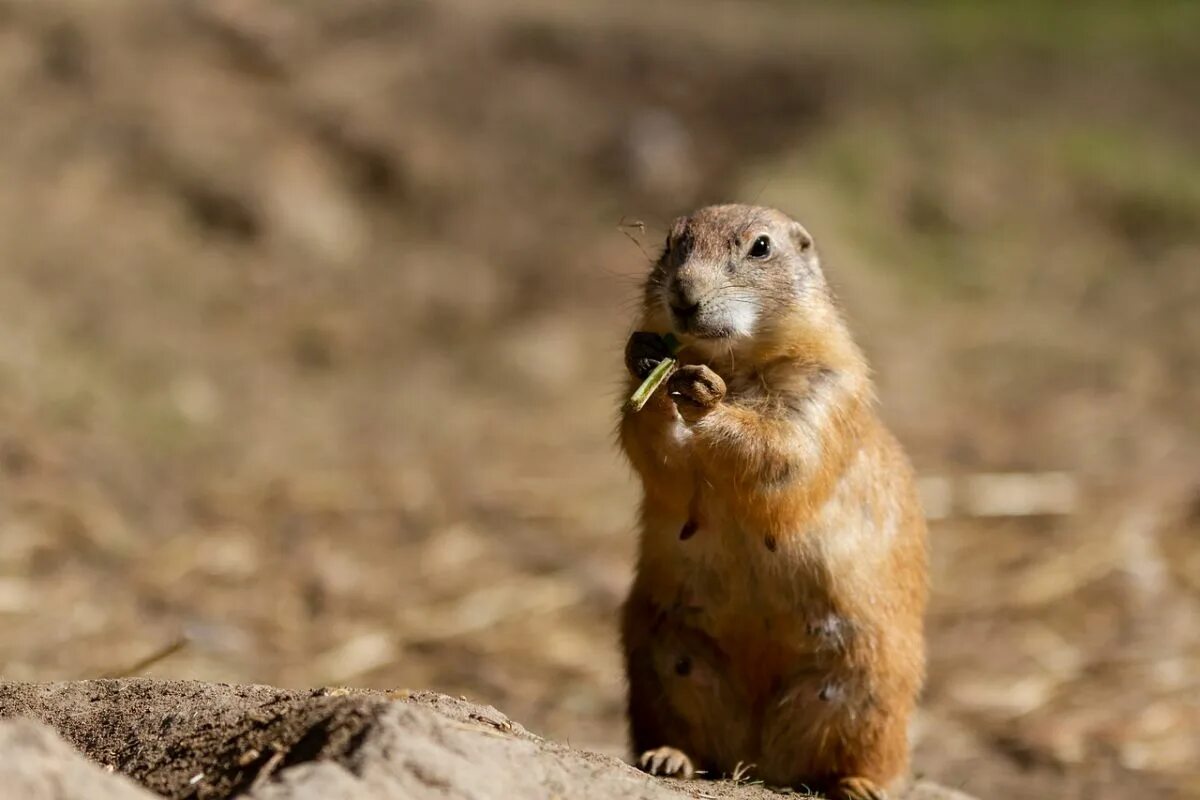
point(311, 318)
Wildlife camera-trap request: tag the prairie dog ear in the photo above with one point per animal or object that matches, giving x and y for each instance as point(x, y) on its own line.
point(801, 237)
point(678, 226)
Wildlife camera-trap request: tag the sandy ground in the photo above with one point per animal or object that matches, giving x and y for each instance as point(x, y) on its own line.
point(310, 317)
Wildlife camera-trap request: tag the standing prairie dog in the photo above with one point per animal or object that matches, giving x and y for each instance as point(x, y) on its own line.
point(775, 622)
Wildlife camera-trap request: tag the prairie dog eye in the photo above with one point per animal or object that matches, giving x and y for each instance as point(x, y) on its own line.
point(761, 247)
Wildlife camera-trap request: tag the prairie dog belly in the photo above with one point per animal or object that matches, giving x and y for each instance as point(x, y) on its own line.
point(768, 608)
point(738, 581)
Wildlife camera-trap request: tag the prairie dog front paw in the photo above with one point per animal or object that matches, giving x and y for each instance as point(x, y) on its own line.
point(696, 390)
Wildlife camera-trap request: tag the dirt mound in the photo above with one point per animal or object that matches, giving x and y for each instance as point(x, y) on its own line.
point(37, 765)
point(186, 739)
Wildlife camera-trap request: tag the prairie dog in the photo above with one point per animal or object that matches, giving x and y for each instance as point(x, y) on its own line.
point(776, 618)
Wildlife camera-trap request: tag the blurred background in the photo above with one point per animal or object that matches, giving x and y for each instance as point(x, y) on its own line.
point(311, 317)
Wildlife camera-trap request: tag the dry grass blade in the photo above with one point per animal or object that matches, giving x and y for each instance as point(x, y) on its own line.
point(625, 225)
point(162, 654)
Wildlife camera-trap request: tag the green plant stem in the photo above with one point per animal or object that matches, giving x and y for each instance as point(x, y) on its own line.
point(662, 370)
point(660, 373)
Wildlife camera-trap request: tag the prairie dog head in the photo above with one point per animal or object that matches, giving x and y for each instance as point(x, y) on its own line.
point(731, 274)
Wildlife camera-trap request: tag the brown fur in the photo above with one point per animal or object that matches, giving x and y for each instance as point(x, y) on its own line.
point(783, 628)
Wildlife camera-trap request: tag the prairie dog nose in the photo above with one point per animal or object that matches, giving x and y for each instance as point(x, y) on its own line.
point(683, 302)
